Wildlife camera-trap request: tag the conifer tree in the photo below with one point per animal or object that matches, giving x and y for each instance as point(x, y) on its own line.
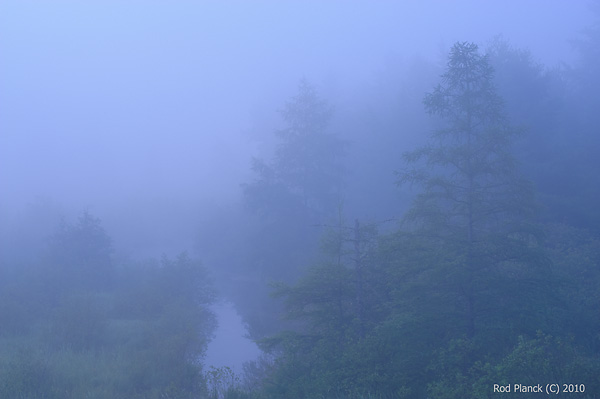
point(305, 174)
point(475, 209)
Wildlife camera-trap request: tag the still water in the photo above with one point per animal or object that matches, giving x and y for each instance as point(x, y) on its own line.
point(230, 347)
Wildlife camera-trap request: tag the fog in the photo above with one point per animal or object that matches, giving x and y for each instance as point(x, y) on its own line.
point(148, 114)
point(153, 126)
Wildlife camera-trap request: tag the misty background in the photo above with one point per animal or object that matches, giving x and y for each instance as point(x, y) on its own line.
point(147, 114)
point(154, 122)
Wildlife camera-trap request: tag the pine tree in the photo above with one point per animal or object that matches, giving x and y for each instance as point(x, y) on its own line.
point(295, 190)
point(300, 187)
point(305, 173)
point(475, 211)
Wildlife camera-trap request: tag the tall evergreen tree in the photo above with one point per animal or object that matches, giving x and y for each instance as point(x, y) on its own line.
point(305, 174)
point(475, 209)
point(298, 188)
point(293, 192)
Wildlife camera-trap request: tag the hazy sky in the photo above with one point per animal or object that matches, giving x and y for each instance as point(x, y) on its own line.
point(124, 107)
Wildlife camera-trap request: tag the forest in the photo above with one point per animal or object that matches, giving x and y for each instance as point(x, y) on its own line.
point(436, 236)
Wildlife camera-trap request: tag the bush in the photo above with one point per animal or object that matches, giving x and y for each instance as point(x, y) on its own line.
point(79, 323)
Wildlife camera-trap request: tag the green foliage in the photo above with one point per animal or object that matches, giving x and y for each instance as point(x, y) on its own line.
point(542, 359)
point(300, 186)
point(144, 335)
point(291, 194)
point(151, 288)
point(323, 298)
point(81, 257)
point(452, 303)
point(557, 106)
point(15, 310)
point(305, 174)
point(333, 308)
point(26, 375)
point(471, 292)
point(576, 264)
point(79, 322)
point(223, 383)
point(470, 180)
point(475, 207)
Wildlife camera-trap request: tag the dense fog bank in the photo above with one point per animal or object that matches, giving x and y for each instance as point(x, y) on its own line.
point(383, 200)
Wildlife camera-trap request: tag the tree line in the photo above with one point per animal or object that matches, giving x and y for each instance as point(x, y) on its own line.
point(491, 275)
